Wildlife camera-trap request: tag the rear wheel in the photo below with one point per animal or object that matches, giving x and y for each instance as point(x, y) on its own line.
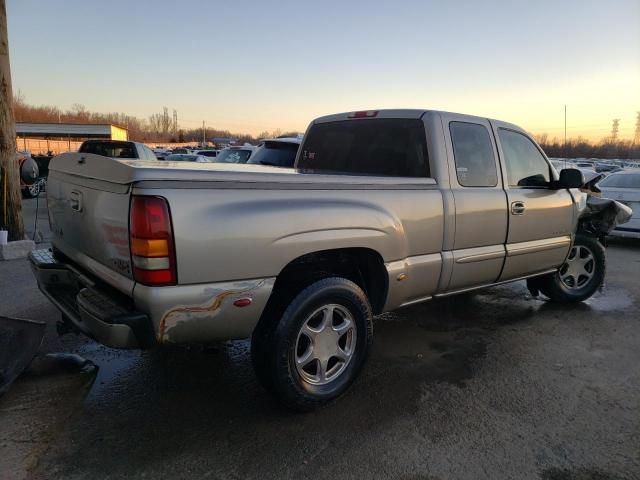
point(314, 352)
point(580, 276)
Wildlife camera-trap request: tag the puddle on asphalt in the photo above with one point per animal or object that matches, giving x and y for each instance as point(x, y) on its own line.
point(608, 300)
point(113, 366)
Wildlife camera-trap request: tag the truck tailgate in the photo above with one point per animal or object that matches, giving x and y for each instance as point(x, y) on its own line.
point(89, 217)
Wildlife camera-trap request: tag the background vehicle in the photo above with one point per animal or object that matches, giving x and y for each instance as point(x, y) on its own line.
point(602, 167)
point(277, 152)
point(384, 209)
point(182, 150)
point(183, 157)
point(624, 187)
point(161, 152)
point(207, 153)
point(235, 154)
point(118, 149)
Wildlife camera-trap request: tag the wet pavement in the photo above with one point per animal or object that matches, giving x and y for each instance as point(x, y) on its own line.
point(494, 385)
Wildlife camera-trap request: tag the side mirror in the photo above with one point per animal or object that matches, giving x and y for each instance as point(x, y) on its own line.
point(570, 178)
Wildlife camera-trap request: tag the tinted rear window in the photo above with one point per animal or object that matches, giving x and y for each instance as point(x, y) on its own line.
point(110, 149)
point(623, 180)
point(386, 146)
point(278, 154)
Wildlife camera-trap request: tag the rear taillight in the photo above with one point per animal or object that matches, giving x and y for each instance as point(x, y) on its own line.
point(151, 240)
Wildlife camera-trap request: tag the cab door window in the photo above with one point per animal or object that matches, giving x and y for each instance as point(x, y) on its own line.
point(526, 166)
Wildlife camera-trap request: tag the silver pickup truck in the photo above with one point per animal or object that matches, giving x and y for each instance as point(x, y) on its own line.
point(383, 209)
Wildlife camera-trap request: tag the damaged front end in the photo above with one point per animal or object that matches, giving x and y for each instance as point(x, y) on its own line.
point(601, 215)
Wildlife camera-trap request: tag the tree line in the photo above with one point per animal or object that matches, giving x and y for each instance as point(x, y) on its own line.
point(157, 128)
point(583, 148)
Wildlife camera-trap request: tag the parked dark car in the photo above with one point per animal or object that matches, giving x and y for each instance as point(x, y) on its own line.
point(278, 152)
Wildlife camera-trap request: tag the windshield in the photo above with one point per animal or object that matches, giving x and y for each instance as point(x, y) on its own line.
point(279, 154)
point(233, 156)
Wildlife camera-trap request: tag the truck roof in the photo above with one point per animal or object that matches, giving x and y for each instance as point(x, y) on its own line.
point(404, 113)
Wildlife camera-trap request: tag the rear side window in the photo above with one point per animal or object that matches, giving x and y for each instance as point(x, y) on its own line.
point(110, 149)
point(526, 167)
point(621, 180)
point(473, 154)
point(391, 147)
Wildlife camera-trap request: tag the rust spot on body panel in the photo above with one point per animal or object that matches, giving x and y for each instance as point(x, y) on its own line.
point(178, 313)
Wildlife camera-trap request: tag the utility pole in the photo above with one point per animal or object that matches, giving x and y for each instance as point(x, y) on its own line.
point(614, 130)
point(204, 136)
point(10, 198)
point(175, 122)
point(565, 126)
point(636, 137)
point(565, 135)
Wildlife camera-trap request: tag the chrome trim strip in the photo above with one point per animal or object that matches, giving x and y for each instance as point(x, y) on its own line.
point(417, 300)
point(535, 246)
point(481, 257)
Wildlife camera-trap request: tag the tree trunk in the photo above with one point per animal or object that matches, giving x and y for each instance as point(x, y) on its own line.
point(10, 198)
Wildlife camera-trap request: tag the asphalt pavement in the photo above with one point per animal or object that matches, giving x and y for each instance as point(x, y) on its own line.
point(491, 385)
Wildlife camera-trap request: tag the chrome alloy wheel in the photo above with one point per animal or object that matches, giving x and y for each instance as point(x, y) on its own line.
point(579, 268)
point(325, 344)
point(34, 189)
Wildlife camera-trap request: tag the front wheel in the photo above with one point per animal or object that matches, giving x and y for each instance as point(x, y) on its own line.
point(580, 276)
point(319, 345)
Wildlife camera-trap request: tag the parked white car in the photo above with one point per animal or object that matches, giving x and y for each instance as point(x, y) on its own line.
point(624, 187)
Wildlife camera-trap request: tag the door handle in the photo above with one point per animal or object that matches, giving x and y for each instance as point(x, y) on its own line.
point(517, 208)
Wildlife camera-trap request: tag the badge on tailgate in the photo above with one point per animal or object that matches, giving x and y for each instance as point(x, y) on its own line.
point(75, 200)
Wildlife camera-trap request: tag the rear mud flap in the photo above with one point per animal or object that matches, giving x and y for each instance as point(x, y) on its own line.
point(19, 342)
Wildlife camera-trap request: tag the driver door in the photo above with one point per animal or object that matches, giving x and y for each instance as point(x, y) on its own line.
point(541, 219)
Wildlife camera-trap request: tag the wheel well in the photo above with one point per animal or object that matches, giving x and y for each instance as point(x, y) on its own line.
point(363, 266)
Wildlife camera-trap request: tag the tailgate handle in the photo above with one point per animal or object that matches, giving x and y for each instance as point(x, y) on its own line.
point(75, 201)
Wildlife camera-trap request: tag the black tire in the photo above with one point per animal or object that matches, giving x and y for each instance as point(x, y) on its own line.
point(553, 286)
point(275, 342)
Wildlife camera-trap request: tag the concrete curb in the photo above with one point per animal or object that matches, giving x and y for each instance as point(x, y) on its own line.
point(17, 249)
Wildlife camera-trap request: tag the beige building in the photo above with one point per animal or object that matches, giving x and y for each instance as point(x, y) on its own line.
point(40, 138)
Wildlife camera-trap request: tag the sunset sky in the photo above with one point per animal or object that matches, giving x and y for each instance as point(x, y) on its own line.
point(253, 66)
